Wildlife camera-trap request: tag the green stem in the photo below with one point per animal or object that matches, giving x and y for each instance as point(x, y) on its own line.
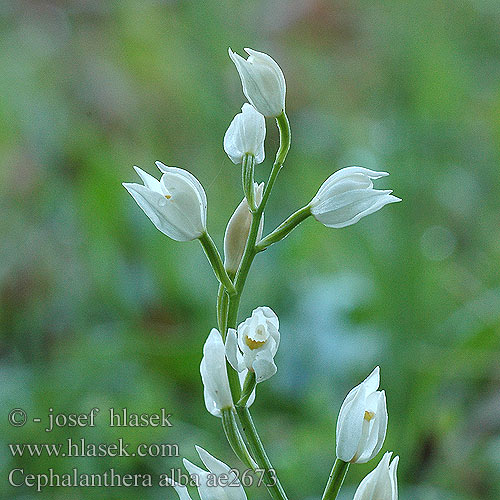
point(247, 174)
point(284, 229)
point(249, 430)
point(248, 388)
point(335, 480)
point(250, 251)
point(274, 486)
point(285, 141)
point(234, 437)
point(216, 262)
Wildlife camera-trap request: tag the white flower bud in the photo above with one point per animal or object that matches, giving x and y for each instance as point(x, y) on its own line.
point(262, 80)
point(219, 482)
point(213, 371)
point(381, 483)
point(246, 134)
point(258, 340)
point(362, 421)
point(237, 231)
point(176, 204)
point(348, 195)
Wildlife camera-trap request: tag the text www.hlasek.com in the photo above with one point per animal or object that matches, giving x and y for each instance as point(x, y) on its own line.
point(80, 448)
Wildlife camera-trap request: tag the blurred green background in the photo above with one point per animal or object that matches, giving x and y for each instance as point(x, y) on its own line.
point(100, 309)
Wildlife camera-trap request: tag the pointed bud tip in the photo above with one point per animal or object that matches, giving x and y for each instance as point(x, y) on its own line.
point(161, 167)
point(138, 171)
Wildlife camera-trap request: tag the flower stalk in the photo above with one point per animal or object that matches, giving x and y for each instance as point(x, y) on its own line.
point(247, 172)
point(335, 480)
point(248, 427)
point(234, 438)
point(216, 262)
point(284, 229)
point(272, 482)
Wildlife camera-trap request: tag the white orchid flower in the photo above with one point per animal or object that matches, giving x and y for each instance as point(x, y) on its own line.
point(213, 371)
point(381, 483)
point(176, 204)
point(220, 482)
point(348, 195)
point(362, 421)
point(246, 135)
point(262, 80)
point(255, 344)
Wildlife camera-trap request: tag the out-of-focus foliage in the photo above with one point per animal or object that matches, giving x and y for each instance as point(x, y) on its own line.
point(100, 309)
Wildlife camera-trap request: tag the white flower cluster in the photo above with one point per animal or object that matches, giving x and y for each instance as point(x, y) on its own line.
point(177, 206)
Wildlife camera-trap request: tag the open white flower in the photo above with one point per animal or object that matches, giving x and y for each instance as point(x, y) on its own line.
point(237, 231)
point(348, 195)
point(219, 483)
point(213, 371)
point(362, 421)
point(255, 345)
point(262, 80)
point(381, 483)
point(246, 135)
point(176, 204)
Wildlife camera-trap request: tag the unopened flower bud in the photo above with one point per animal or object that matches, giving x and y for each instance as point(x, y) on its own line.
point(246, 135)
point(213, 371)
point(206, 480)
point(362, 421)
point(237, 231)
point(262, 80)
point(381, 483)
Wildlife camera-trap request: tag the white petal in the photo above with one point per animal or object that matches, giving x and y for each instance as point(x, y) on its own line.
point(148, 180)
point(373, 486)
point(188, 175)
point(270, 316)
point(381, 423)
point(194, 470)
point(350, 424)
point(214, 374)
point(182, 491)
point(262, 81)
point(214, 465)
point(264, 367)
point(233, 354)
point(185, 206)
point(347, 196)
point(246, 134)
point(372, 382)
point(349, 172)
point(348, 208)
point(236, 236)
point(393, 468)
point(153, 205)
point(383, 486)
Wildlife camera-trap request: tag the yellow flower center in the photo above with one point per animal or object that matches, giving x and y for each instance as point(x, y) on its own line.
point(253, 344)
point(369, 415)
